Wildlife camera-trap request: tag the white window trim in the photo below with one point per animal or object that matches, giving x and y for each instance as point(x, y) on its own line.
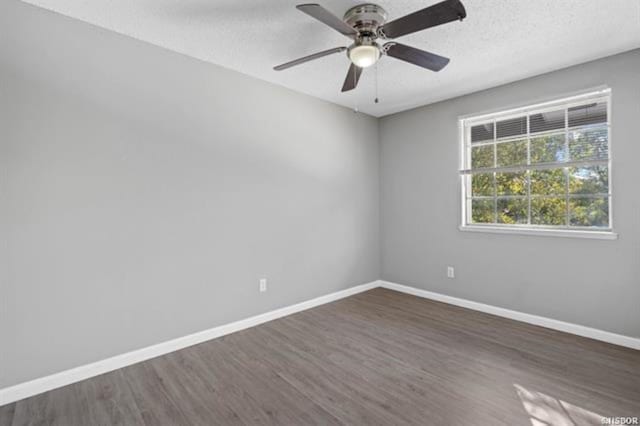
point(464, 123)
point(542, 232)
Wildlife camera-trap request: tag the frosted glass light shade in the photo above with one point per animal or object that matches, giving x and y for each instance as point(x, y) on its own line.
point(364, 56)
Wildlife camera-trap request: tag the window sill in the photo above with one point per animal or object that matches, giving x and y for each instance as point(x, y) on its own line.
point(597, 235)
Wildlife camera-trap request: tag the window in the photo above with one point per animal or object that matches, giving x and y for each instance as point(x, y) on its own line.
point(543, 169)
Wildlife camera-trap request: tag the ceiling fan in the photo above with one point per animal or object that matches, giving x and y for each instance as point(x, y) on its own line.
point(365, 24)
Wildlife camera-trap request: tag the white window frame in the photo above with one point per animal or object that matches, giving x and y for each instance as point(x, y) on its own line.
point(466, 122)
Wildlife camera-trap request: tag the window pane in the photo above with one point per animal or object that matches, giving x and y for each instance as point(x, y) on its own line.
point(513, 210)
point(482, 184)
point(546, 121)
point(512, 153)
point(548, 149)
point(482, 211)
point(548, 211)
point(589, 144)
point(511, 183)
point(482, 132)
point(589, 212)
point(548, 182)
point(591, 113)
point(589, 180)
point(482, 156)
point(511, 127)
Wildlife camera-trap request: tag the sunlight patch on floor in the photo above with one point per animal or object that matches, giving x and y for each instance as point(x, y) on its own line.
point(545, 410)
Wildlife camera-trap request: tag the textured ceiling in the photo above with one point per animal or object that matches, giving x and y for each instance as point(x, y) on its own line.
point(499, 42)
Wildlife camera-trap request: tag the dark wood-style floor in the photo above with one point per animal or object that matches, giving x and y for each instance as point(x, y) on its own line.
point(380, 357)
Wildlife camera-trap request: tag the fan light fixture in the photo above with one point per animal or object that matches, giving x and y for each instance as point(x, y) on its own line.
point(364, 55)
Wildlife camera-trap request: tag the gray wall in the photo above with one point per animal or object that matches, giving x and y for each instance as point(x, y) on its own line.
point(144, 193)
point(590, 282)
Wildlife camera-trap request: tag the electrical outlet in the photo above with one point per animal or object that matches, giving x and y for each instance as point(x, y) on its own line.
point(451, 273)
point(263, 285)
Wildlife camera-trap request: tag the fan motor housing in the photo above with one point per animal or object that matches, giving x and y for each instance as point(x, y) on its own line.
point(366, 19)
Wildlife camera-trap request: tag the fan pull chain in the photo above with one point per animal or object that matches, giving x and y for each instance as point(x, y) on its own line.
point(376, 71)
point(355, 82)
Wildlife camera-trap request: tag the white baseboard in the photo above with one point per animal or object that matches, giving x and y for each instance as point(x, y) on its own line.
point(67, 377)
point(580, 330)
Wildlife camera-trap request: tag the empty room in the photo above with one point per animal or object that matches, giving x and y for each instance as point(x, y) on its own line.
point(223, 212)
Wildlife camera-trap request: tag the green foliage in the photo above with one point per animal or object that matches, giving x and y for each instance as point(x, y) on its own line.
point(589, 211)
point(482, 156)
point(589, 180)
point(548, 182)
point(483, 211)
point(589, 144)
point(511, 183)
point(577, 195)
point(482, 185)
point(511, 153)
point(548, 211)
point(512, 210)
point(548, 149)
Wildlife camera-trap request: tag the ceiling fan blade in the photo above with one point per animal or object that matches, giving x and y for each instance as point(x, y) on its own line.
point(309, 58)
point(351, 81)
point(439, 13)
point(415, 56)
point(328, 18)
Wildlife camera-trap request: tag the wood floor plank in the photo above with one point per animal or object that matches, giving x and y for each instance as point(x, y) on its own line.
point(155, 404)
point(6, 414)
point(62, 407)
point(377, 368)
point(285, 404)
point(203, 397)
point(379, 357)
point(110, 400)
point(328, 384)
